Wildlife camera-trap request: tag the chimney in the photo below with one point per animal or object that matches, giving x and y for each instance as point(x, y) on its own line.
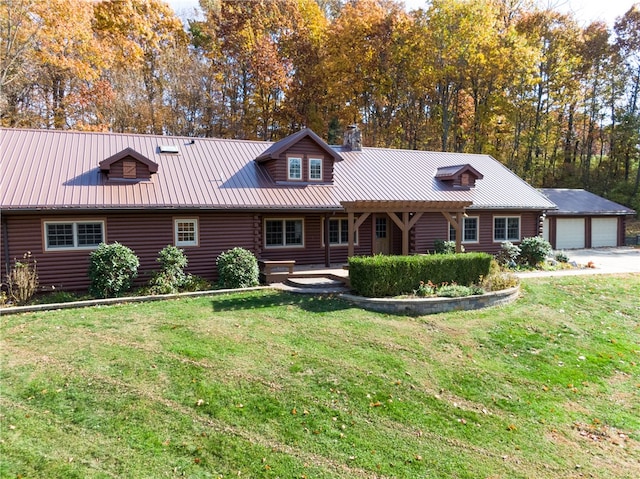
point(352, 138)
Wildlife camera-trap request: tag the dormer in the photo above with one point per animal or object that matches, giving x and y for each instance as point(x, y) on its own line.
point(459, 176)
point(128, 165)
point(300, 159)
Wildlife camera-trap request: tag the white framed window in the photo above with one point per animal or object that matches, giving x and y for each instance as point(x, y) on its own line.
point(294, 168)
point(506, 228)
point(339, 232)
point(315, 169)
point(64, 235)
point(470, 228)
point(283, 233)
point(185, 231)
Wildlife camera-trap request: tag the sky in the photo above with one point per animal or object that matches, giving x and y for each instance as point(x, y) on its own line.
point(585, 11)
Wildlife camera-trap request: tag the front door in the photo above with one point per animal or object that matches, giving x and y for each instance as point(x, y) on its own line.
point(381, 243)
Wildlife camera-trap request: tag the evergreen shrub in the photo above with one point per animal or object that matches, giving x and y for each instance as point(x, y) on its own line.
point(534, 250)
point(112, 269)
point(171, 278)
point(237, 268)
point(382, 276)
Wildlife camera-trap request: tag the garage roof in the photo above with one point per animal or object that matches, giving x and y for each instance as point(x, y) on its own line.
point(578, 202)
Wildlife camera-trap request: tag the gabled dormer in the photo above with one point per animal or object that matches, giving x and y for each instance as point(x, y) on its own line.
point(459, 176)
point(128, 165)
point(301, 158)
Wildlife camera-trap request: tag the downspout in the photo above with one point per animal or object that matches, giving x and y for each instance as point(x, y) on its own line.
point(327, 250)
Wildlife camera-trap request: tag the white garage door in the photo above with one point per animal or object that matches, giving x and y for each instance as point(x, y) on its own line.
point(545, 229)
point(570, 233)
point(604, 232)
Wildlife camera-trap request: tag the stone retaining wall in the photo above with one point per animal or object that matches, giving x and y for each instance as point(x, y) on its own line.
point(420, 306)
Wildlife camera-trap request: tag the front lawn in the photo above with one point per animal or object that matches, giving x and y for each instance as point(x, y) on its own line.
point(268, 384)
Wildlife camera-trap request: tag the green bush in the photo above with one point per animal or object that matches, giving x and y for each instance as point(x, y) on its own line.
point(562, 257)
point(237, 268)
point(455, 291)
point(508, 254)
point(195, 283)
point(446, 247)
point(171, 278)
point(112, 269)
point(534, 250)
point(380, 276)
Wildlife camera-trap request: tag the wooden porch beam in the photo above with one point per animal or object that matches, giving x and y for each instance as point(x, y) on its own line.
point(456, 222)
point(353, 225)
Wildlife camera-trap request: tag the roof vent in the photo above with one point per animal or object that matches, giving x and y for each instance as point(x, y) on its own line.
point(174, 149)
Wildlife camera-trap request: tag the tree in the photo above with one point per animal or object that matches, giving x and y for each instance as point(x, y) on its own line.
point(136, 35)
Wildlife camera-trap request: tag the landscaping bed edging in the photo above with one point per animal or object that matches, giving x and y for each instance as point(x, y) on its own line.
point(120, 300)
point(420, 306)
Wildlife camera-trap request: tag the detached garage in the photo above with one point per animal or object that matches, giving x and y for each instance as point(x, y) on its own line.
point(584, 220)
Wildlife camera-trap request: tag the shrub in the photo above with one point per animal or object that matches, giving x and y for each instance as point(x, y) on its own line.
point(562, 257)
point(237, 268)
point(425, 289)
point(454, 291)
point(379, 276)
point(508, 254)
point(171, 278)
point(195, 283)
point(534, 250)
point(446, 247)
point(22, 279)
point(112, 269)
point(497, 280)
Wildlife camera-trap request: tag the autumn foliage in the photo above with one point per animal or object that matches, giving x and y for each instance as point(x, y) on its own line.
point(555, 102)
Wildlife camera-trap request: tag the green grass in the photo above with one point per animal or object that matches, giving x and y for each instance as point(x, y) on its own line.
point(267, 384)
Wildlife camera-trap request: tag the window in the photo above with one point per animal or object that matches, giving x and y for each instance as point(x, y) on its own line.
point(186, 232)
point(469, 230)
point(294, 169)
point(339, 232)
point(506, 228)
point(381, 228)
point(283, 233)
point(129, 169)
point(315, 169)
point(73, 235)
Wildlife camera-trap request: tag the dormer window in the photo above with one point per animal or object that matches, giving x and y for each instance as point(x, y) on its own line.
point(129, 169)
point(128, 165)
point(300, 158)
point(459, 176)
point(294, 168)
point(315, 169)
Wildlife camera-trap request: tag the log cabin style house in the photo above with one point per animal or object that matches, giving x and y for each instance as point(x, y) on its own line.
point(64, 192)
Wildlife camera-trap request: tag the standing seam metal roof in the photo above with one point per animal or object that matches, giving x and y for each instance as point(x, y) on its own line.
point(47, 169)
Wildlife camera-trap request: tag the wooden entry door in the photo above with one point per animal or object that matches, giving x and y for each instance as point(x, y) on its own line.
point(382, 235)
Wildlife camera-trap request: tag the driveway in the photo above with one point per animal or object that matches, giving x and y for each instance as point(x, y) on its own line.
point(604, 260)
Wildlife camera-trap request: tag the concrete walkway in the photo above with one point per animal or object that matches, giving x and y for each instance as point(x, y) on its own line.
point(604, 261)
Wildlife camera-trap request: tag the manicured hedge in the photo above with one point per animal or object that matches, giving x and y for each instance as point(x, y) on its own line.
point(380, 276)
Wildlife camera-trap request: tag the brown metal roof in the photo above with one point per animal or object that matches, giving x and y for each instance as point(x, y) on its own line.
point(54, 169)
point(276, 149)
